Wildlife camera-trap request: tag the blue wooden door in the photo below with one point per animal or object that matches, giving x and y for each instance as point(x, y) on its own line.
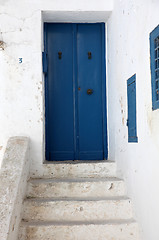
point(74, 96)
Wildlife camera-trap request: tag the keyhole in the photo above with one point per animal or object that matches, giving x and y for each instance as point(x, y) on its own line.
point(89, 55)
point(60, 55)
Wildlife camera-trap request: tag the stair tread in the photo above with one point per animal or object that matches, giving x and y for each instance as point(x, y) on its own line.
point(77, 200)
point(40, 199)
point(74, 180)
point(71, 223)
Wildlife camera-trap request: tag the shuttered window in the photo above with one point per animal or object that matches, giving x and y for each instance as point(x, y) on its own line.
point(154, 55)
point(131, 98)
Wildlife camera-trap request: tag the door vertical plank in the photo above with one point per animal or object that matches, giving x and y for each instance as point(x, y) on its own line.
point(104, 100)
point(75, 92)
point(89, 54)
point(60, 128)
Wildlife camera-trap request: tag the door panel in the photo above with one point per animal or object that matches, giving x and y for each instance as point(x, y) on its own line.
point(89, 77)
point(74, 118)
point(60, 92)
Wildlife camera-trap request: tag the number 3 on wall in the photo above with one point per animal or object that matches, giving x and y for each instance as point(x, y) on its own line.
point(20, 60)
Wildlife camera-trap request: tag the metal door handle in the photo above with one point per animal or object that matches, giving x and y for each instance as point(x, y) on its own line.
point(89, 91)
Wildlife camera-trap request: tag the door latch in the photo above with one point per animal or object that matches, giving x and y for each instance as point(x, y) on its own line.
point(89, 55)
point(60, 55)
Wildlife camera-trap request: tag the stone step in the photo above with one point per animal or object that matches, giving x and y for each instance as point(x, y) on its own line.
point(77, 209)
point(75, 169)
point(61, 188)
point(112, 230)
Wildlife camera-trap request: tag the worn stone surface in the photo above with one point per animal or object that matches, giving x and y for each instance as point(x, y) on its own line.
point(102, 231)
point(100, 169)
point(86, 202)
point(77, 210)
point(13, 176)
point(61, 188)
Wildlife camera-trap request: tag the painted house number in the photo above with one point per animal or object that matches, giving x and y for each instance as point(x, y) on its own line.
point(20, 60)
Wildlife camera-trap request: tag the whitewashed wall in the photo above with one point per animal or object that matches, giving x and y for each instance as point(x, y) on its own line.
point(128, 53)
point(21, 84)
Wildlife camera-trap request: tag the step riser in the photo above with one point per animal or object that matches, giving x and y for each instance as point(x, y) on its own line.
point(77, 201)
point(81, 232)
point(77, 170)
point(76, 189)
point(77, 210)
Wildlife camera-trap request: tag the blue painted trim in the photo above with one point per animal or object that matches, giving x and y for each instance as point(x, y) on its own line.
point(154, 34)
point(104, 99)
point(134, 138)
point(131, 79)
point(46, 98)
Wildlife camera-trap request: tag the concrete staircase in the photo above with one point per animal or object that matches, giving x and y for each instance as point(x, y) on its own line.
point(78, 201)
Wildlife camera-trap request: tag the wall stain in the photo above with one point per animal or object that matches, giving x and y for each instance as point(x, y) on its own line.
point(122, 110)
point(2, 45)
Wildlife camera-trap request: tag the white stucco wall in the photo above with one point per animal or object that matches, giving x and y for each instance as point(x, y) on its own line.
point(21, 84)
point(128, 53)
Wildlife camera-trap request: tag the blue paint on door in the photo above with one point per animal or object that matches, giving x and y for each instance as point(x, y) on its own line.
point(60, 129)
point(131, 122)
point(74, 114)
point(90, 77)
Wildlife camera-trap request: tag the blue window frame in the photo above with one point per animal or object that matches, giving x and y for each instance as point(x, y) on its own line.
point(131, 122)
point(154, 55)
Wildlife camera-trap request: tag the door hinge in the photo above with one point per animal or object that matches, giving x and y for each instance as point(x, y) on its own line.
point(127, 122)
point(44, 62)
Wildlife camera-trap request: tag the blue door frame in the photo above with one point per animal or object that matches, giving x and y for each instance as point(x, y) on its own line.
point(75, 85)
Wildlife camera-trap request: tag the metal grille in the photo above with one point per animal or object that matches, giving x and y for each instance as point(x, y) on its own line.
point(156, 41)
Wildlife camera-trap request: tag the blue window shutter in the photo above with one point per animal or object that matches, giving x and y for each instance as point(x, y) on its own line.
point(131, 95)
point(154, 56)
